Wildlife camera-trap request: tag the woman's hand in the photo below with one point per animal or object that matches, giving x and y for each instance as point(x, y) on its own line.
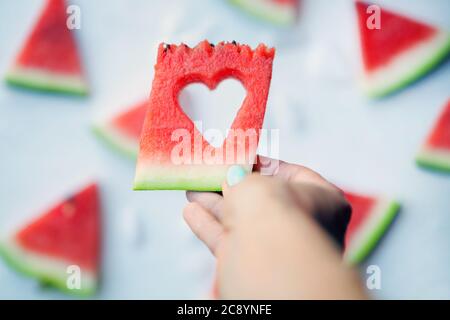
point(268, 245)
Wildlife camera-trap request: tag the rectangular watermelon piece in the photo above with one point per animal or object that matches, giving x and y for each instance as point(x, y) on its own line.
point(435, 153)
point(398, 53)
point(173, 154)
point(49, 59)
point(371, 216)
point(67, 234)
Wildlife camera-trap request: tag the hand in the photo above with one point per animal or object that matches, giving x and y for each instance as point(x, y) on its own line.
point(333, 214)
point(267, 243)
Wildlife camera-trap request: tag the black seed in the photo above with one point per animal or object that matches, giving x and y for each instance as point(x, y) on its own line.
point(212, 45)
point(166, 47)
point(234, 42)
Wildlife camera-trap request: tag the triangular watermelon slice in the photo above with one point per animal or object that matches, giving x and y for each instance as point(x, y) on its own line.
point(280, 12)
point(371, 216)
point(49, 59)
point(173, 153)
point(435, 153)
point(67, 234)
point(398, 53)
point(123, 131)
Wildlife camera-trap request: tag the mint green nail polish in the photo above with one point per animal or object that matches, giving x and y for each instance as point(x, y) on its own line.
point(235, 175)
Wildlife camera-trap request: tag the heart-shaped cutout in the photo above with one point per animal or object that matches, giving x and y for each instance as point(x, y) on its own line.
point(213, 111)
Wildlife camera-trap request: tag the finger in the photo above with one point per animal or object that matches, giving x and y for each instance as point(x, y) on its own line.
point(267, 166)
point(254, 197)
point(329, 208)
point(204, 225)
point(290, 172)
point(211, 201)
point(225, 189)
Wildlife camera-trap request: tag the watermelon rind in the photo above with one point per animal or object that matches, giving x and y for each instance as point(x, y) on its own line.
point(434, 159)
point(44, 80)
point(48, 270)
point(265, 10)
point(407, 67)
point(116, 140)
point(367, 238)
point(182, 177)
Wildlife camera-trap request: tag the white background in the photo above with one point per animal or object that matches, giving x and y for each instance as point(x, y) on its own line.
point(47, 149)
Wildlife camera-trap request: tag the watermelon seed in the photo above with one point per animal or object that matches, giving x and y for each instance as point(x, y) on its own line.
point(212, 45)
point(166, 47)
point(234, 42)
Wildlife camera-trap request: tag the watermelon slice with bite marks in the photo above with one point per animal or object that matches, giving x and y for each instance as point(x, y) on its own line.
point(173, 153)
point(67, 234)
point(398, 53)
point(123, 131)
point(49, 59)
point(371, 216)
point(280, 12)
point(435, 153)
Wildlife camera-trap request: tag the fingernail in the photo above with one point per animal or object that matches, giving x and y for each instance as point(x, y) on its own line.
point(235, 175)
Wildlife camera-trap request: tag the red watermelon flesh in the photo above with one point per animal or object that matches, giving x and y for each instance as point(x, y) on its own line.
point(280, 12)
point(123, 131)
point(399, 52)
point(49, 59)
point(166, 126)
point(435, 153)
point(67, 234)
point(370, 218)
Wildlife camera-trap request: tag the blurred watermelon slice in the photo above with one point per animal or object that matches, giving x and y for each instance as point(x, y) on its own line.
point(281, 12)
point(123, 131)
point(398, 53)
point(435, 153)
point(371, 217)
point(67, 234)
point(49, 59)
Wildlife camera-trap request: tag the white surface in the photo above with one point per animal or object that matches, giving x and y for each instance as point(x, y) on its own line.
point(46, 146)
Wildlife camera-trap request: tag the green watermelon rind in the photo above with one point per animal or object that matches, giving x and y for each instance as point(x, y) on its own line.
point(415, 74)
point(13, 259)
point(212, 186)
point(430, 160)
point(194, 177)
point(276, 18)
point(49, 83)
point(371, 235)
point(209, 184)
point(108, 135)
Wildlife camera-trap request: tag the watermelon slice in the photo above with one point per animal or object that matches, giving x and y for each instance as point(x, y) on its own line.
point(280, 12)
point(398, 53)
point(67, 234)
point(166, 125)
point(49, 59)
point(123, 131)
point(371, 217)
point(435, 154)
